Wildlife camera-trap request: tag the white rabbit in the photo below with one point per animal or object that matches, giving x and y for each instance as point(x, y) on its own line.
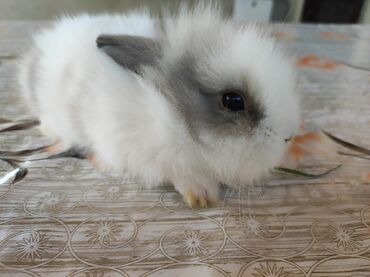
point(193, 99)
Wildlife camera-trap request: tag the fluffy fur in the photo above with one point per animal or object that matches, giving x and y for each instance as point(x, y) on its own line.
point(161, 121)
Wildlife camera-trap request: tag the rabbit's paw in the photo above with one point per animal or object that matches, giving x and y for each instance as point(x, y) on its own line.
point(200, 196)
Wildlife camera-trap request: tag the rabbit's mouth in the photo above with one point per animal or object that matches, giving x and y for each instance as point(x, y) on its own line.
point(288, 139)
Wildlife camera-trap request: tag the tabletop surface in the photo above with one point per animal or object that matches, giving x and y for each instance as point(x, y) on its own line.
point(66, 219)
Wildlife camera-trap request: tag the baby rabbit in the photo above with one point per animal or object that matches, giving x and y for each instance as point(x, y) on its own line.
point(193, 99)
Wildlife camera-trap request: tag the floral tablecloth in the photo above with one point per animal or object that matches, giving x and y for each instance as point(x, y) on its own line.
point(66, 219)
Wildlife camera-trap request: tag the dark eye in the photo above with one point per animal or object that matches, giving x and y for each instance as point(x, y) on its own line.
point(233, 101)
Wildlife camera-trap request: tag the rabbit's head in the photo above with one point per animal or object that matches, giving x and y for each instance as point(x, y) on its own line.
point(230, 84)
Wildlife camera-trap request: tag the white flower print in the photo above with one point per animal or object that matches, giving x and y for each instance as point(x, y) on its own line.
point(104, 232)
point(70, 168)
point(344, 237)
point(193, 243)
point(270, 271)
point(111, 191)
point(252, 225)
point(31, 247)
point(52, 201)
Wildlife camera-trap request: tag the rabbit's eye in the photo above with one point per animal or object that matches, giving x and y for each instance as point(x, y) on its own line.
point(233, 102)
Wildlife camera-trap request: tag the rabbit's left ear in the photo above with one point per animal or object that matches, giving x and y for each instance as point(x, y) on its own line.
point(130, 52)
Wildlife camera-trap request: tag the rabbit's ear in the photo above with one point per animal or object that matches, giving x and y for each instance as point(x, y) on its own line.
point(130, 52)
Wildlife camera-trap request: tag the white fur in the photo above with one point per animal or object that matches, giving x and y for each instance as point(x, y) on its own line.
point(84, 98)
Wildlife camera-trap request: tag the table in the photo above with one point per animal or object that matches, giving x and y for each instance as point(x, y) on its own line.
point(66, 219)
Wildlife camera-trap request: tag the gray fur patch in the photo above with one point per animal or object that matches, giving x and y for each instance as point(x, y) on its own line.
point(131, 52)
point(201, 105)
point(198, 100)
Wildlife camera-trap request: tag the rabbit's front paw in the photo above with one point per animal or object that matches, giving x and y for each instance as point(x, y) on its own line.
point(195, 200)
point(200, 196)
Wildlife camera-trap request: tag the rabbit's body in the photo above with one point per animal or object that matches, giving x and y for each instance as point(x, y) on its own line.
point(61, 73)
point(157, 119)
point(79, 93)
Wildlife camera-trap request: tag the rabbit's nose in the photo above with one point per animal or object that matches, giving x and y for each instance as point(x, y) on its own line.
point(288, 139)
